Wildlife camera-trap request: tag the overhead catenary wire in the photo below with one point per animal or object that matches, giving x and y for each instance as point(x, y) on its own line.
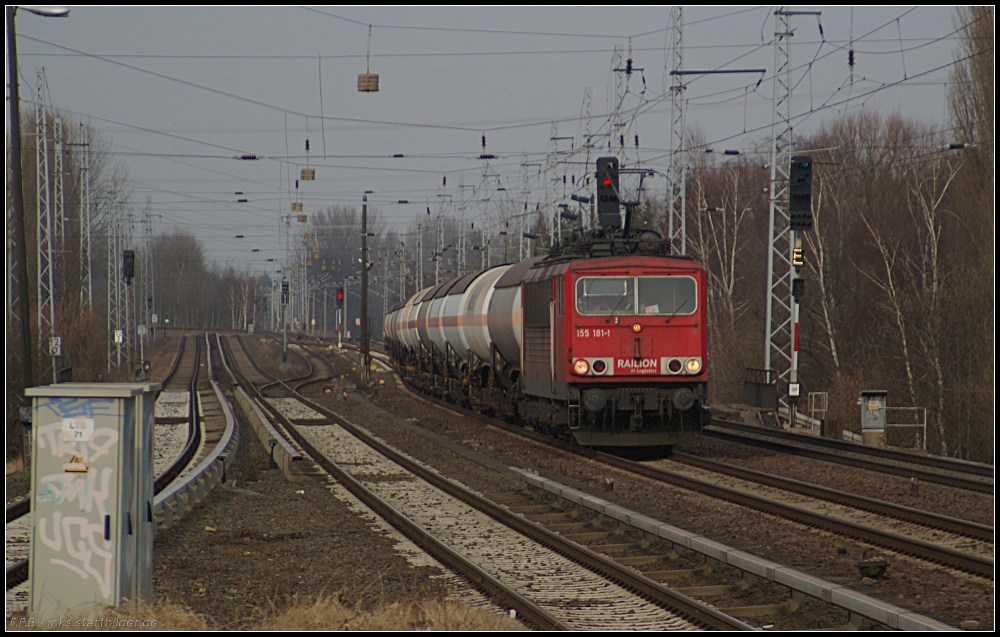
point(647, 106)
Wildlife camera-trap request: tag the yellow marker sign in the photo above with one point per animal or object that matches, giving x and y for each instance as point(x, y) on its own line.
point(75, 465)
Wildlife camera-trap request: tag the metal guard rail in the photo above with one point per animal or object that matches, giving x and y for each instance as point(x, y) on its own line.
point(186, 493)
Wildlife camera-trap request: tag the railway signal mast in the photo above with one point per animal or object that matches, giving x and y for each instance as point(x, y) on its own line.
point(781, 319)
point(284, 323)
point(799, 221)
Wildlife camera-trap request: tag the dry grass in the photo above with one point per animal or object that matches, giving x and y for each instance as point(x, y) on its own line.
point(328, 613)
point(325, 613)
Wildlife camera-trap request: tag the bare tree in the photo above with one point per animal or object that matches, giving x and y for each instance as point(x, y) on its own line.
point(183, 280)
point(971, 238)
point(717, 236)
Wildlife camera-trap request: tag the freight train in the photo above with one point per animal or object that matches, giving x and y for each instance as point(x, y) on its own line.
point(603, 341)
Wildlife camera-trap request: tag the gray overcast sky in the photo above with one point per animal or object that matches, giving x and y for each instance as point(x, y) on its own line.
point(180, 90)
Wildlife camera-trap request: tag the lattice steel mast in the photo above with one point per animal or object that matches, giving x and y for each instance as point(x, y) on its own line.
point(677, 174)
point(46, 280)
point(779, 345)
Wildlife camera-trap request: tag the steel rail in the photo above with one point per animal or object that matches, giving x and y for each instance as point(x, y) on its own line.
point(277, 381)
point(596, 562)
point(479, 578)
point(836, 455)
point(194, 430)
point(909, 514)
point(177, 361)
point(600, 564)
point(924, 550)
point(937, 462)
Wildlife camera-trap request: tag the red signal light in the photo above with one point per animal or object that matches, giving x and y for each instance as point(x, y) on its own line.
point(607, 182)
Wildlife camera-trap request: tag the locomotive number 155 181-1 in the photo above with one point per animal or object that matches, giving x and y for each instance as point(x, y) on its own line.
point(593, 333)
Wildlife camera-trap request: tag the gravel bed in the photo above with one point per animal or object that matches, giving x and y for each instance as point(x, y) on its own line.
point(938, 592)
point(293, 409)
point(957, 503)
point(266, 543)
point(18, 484)
point(169, 443)
point(582, 599)
point(173, 404)
point(17, 539)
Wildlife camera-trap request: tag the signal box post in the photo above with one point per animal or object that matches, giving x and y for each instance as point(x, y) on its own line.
point(92, 496)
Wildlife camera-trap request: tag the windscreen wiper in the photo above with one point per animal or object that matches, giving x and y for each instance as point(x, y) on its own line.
point(677, 311)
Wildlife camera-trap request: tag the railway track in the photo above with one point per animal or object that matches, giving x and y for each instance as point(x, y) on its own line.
point(964, 545)
point(709, 557)
point(963, 528)
point(974, 557)
point(539, 576)
point(967, 547)
point(959, 474)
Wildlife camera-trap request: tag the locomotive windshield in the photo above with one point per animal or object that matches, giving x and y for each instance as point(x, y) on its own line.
point(659, 295)
point(667, 295)
point(605, 295)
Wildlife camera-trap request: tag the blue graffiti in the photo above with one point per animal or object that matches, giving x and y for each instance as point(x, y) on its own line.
point(76, 408)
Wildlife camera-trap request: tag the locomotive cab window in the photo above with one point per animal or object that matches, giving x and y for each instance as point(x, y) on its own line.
point(605, 295)
point(660, 295)
point(667, 295)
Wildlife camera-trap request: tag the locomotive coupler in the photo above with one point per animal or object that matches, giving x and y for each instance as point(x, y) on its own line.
point(635, 422)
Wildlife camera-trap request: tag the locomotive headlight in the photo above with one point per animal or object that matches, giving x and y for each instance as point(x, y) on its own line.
point(581, 367)
point(693, 365)
point(636, 328)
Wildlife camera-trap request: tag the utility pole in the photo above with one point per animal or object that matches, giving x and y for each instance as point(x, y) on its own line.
point(420, 255)
point(385, 284)
point(344, 328)
point(149, 293)
point(402, 271)
point(364, 290)
point(59, 199)
point(438, 244)
point(86, 284)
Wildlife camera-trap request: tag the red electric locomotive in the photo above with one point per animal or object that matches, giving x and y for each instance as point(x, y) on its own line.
point(614, 350)
point(603, 341)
